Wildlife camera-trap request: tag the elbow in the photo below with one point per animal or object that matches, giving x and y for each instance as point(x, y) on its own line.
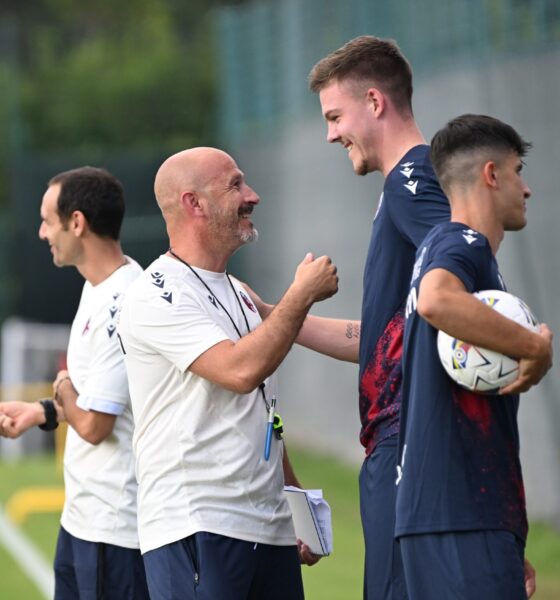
point(92, 438)
point(93, 435)
point(430, 309)
point(244, 383)
point(245, 386)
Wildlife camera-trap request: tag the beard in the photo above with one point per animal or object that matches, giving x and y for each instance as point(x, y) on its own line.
point(247, 237)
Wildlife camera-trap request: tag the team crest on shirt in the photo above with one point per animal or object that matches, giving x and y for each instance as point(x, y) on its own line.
point(247, 301)
point(86, 327)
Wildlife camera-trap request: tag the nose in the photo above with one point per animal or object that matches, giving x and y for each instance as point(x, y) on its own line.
point(42, 232)
point(251, 196)
point(332, 133)
point(527, 192)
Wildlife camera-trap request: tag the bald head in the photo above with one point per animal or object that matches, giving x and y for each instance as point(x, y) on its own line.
point(191, 170)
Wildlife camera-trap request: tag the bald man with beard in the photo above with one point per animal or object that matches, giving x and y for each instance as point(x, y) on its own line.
point(213, 520)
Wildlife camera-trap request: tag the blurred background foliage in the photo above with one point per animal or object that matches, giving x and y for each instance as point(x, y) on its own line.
point(113, 84)
point(93, 76)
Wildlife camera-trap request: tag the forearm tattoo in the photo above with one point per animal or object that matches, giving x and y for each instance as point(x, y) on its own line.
point(352, 330)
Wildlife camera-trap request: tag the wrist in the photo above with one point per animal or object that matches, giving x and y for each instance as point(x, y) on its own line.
point(58, 387)
point(40, 417)
point(50, 415)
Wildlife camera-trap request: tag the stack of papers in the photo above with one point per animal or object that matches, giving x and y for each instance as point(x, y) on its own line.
point(312, 519)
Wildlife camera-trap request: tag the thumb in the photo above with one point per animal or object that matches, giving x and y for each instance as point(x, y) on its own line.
point(308, 258)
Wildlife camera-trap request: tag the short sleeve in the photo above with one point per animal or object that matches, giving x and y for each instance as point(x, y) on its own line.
point(463, 254)
point(180, 330)
point(416, 205)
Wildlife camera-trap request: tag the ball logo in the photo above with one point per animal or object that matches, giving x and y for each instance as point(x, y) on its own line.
point(479, 369)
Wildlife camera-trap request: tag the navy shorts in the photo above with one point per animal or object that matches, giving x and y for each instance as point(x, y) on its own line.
point(469, 565)
point(383, 572)
point(94, 571)
point(206, 566)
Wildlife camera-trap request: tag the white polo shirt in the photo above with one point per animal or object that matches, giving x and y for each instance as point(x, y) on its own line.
point(100, 481)
point(199, 447)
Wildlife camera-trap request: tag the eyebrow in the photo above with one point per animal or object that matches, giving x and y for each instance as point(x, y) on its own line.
point(238, 176)
point(330, 114)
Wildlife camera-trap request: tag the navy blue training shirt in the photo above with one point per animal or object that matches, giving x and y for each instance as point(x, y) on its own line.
point(458, 450)
point(411, 204)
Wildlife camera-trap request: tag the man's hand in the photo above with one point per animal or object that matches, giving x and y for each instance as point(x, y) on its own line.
point(62, 378)
point(532, 370)
point(307, 557)
point(530, 579)
point(316, 278)
point(17, 417)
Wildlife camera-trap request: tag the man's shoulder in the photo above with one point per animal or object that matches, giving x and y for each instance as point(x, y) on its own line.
point(161, 284)
point(453, 232)
point(413, 179)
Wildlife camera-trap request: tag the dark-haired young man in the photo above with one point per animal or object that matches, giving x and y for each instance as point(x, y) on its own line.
point(460, 512)
point(97, 553)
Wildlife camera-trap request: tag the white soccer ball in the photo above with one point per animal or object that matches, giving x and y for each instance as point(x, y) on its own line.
point(478, 369)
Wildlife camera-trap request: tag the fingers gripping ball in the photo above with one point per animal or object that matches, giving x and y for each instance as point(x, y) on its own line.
point(479, 369)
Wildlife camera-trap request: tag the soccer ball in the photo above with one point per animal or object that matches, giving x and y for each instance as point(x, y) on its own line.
point(478, 369)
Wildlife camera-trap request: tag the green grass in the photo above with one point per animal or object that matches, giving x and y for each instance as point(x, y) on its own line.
point(337, 577)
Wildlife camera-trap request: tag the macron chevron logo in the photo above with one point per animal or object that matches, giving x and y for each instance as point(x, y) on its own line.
point(157, 279)
point(168, 296)
point(407, 172)
point(111, 329)
point(469, 235)
point(411, 186)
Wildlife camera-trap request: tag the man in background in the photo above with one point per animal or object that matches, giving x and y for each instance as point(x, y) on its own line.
point(97, 553)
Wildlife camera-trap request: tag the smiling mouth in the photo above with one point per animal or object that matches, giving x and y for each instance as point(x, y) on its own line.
point(245, 212)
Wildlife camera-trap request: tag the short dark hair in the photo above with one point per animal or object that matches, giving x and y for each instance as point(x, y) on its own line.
point(472, 136)
point(367, 58)
point(97, 194)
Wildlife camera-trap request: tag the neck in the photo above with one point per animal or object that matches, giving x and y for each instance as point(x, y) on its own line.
point(403, 136)
point(205, 252)
point(200, 261)
point(476, 212)
point(100, 260)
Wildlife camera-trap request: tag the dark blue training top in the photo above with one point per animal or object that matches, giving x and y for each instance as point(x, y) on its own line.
point(411, 204)
point(459, 451)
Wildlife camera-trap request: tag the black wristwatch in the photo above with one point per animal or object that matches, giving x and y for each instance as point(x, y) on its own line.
point(51, 421)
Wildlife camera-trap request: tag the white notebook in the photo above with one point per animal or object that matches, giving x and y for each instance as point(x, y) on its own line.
point(312, 518)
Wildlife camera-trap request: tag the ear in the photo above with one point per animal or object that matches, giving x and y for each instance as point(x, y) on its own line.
point(377, 101)
point(191, 202)
point(489, 174)
point(77, 223)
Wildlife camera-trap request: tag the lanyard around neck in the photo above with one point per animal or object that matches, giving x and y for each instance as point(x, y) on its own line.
point(261, 386)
